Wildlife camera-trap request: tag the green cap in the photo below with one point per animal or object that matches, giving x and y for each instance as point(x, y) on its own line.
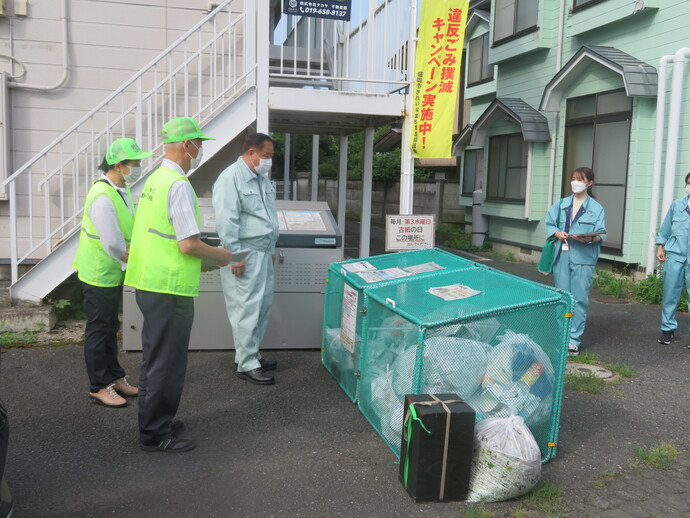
point(181, 129)
point(124, 149)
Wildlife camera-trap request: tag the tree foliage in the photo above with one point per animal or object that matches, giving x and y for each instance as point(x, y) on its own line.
point(386, 165)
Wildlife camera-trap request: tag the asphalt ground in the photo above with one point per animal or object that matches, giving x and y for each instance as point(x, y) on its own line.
point(300, 448)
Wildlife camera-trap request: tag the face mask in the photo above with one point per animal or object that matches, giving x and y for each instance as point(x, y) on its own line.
point(577, 186)
point(264, 166)
point(134, 174)
point(687, 189)
point(196, 161)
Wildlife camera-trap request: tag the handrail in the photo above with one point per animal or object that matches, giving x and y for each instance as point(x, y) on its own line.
point(124, 85)
point(199, 75)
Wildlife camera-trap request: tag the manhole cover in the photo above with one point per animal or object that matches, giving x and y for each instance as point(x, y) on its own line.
point(585, 369)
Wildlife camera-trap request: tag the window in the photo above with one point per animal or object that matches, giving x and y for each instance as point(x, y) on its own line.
point(597, 135)
point(479, 70)
point(472, 171)
point(514, 18)
point(507, 168)
point(577, 4)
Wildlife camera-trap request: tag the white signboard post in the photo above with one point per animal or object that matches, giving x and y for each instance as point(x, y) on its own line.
point(411, 232)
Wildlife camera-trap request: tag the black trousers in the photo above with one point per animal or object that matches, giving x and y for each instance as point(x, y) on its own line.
point(102, 324)
point(165, 340)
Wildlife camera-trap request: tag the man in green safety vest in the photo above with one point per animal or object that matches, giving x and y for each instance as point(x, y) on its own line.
point(164, 267)
point(101, 260)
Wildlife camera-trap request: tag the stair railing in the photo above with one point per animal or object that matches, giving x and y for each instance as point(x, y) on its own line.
point(197, 76)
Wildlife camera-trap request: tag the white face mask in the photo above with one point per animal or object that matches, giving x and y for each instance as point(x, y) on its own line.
point(134, 174)
point(578, 186)
point(196, 161)
point(687, 189)
point(264, 166)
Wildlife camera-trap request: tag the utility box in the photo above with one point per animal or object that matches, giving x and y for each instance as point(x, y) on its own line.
point(309, 242)
point(497, 341)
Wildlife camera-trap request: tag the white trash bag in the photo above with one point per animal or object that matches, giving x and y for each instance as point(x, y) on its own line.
point(506, 461)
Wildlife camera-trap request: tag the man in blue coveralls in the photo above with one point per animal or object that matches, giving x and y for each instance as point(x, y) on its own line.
point(673, 249)
point(244, 203)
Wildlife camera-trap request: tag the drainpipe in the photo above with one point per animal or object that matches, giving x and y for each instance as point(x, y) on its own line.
point(555, 121)
point(673, 126)
point(48, 88)
point(656, 169)
point(528, 180)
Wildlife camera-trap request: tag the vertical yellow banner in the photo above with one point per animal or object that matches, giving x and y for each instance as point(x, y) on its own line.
point(437, 76)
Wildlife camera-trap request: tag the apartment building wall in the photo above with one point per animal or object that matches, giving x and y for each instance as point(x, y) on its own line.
point(525, 65)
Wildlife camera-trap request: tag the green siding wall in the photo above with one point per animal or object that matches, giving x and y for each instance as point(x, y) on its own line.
point(527, 64)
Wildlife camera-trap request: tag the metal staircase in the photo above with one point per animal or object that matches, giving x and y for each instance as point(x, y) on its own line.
point(223, 73)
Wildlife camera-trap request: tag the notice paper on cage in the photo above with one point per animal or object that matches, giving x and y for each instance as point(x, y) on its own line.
point(454, 292)
point(423, 268)
point(383, 275)
point(348, 319)
point(359, 266)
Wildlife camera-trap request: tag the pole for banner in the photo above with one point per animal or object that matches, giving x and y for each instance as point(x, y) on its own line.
point(406, 159)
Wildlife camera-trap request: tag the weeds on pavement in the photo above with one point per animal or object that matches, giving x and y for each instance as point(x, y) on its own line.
point(477, 511)
point(547, 498)
point(584, 383)
point(661, 456)
point(24, 338)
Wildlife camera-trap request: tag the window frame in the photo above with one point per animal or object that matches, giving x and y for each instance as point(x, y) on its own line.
point(590, 3)
point(503, 198)
point(594, 120)
point(515, 34)
point(478, 169)
point(486, 44)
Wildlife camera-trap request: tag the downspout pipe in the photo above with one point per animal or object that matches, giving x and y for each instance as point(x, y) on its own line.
point(673, 127)
point(658, 156)
point(63, 79)
point(555, 120)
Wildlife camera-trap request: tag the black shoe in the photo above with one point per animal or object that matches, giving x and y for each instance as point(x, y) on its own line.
point(257, 376)
point(666, 337)
point(174, 445)
point(267, 365)
point(177, 428)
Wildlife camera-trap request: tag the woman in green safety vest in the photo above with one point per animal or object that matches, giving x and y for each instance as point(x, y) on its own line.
point(101, 260)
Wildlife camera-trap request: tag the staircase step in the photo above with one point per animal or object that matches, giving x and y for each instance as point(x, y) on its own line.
point(20, 318)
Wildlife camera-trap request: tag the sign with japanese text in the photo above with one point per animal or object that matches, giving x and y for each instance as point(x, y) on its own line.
point(437, 76)
point(409, 232)
point(333, 9)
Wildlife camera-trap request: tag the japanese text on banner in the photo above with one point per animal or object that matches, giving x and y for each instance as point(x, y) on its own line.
point(437, 76)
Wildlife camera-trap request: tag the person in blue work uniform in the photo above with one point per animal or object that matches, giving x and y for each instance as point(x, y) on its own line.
point(673, 250)
point(101, 260)
point(246, 217)
point(574, 221)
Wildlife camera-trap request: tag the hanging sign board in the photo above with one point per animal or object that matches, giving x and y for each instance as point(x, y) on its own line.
point(437, 77)
point(411, 232)
point(331, 9)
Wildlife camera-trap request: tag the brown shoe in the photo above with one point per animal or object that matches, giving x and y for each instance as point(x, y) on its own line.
point(108, 397)
point(125, 389)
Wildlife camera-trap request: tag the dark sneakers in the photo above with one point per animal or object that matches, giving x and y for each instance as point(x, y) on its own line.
point(174, 445)
point(666, 337)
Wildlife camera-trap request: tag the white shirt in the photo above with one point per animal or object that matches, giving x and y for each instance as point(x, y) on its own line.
point(181, 205)
point(104, 218)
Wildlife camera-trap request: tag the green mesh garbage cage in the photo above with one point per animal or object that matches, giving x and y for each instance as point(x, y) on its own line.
point(344, 305)
point(498, 341)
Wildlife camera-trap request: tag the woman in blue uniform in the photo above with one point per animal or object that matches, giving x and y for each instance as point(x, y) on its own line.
point(578, 223)
point(673, 250)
